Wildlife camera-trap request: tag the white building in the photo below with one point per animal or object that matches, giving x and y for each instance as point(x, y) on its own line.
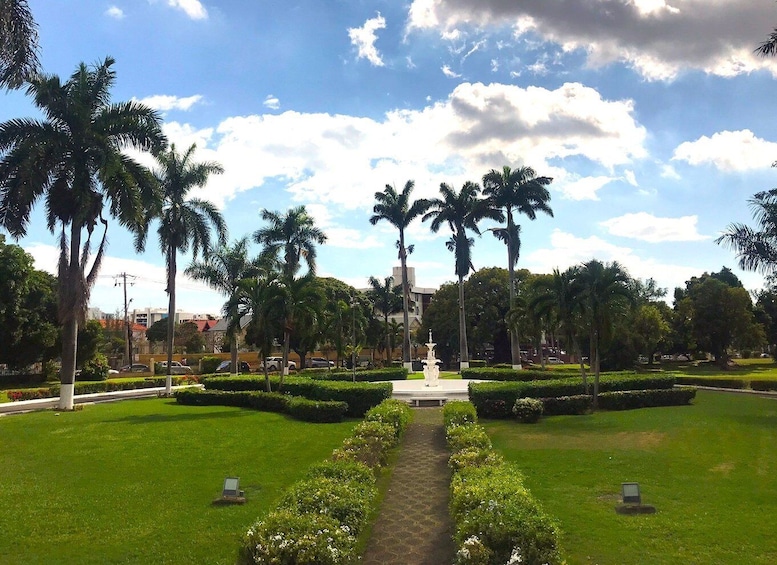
point(149, 316)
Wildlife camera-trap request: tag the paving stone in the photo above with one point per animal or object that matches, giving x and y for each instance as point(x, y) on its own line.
point(413, 526)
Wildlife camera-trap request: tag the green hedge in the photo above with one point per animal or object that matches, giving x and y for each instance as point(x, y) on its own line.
point(711, 382)
point(318, 411)
point(568, 405)
point(763, 385)
point(489, 397)
point(477, 363)
point(371, 376)
point(392, 412)
point(631, 399)
point(264, 401)
point(90, 387)
point(509, 374)
point(458, 412)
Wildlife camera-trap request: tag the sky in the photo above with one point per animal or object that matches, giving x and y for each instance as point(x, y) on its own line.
point(654, 118)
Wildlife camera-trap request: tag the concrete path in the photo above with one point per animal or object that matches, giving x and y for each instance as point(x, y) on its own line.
point(414, 527)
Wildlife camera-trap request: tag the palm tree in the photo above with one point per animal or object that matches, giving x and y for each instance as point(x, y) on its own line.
point(73, 159)
point(601, 287)
point(294, 235)
point(300, 303)
point(223, 270)
point(387, 298)
point(261, 298)
point(18, 44)
point(461, 211)
point(523, 191)
point(399, 211)
point(183, 223)
point(756, 250)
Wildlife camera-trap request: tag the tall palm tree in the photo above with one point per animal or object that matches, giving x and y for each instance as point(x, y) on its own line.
point(462, 211)
point(522, 191)
point(756, 249)
point(300, 303)
point(386, 297)
point(223, 270)
point(260, 297)
point(183, 223)
point(293, 236)
point(601, 287)
point(73, 159)
point(398, 210)
point(18, 43)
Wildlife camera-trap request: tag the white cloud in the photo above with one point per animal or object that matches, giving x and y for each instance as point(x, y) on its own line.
point(585, 188)
point(272, 102)
point(342, 160)
point(630, 177)
point(647, 227)
point(164, 103)
point(669, 172)
point(192, 8)
point(364, 39)
point(568, 250)
point(115, 12)
point(728, 151)
point(658, 38)
point(446, 70)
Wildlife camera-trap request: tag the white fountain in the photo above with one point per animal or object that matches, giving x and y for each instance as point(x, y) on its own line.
point(431, 370)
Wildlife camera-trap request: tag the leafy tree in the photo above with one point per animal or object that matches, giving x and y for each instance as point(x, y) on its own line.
point(183, 223)
point(75, 160)
point(441, 318)
point(189, 338)
point(522, 191)
point(650, 328)
point(602, 287)
point(462, 211)
point(488, 301)
point(18, 43)
point(223, 270)
point(90, 341)
point(399, 211)
point(157, 332)
point(28, 309)
point(387, 299)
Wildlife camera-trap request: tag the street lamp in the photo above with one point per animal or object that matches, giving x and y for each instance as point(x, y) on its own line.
point(353, 338)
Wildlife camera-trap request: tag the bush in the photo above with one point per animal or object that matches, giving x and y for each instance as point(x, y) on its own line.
point(631, 399)
point(349, 471)
point(458, 412)
point(96, 369)
point(467, 436)
point(763, 385)
point(393, 412)
point(474, 457)
point(29, 394)
point(528, 410)
point(495, 409)
point(290, 538)
point(371, 376)
point(264, 401)
point(711, 382)
point(477, 363)
point(210, 364)
point(567, 405)
point(319, 411)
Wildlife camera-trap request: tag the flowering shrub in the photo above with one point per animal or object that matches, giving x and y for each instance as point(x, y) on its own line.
point(528, 410)
point(383, 432)
point(288, 538)
point(468, 435)
point(96, 369)
point(29, 394)
point(458, 412)
point(393, 412)
point(474, 457)
point(473, 552)
point(342, 471)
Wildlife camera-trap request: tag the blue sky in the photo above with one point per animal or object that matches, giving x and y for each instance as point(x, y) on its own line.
point(654, 118)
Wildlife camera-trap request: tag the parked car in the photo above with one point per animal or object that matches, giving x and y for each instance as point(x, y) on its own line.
point(226, 367)
point(319, 362)
point(175, 368)
point(275, 363)
point(555, 361)
point(135, 368)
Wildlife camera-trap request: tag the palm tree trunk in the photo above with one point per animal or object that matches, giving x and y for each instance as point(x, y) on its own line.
point(596, 367)
point(463, 352)
point(285, 360)
point(388, 342)
point(515, 342)
point(171, 270)
point(69, 305)
point(68, 369)
point(406, 303)
point(233, 352)
point(579, 351)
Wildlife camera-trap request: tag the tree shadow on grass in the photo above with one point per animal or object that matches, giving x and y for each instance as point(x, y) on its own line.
point(183, 417)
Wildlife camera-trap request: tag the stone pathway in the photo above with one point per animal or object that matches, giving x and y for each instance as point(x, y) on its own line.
point(414, 527)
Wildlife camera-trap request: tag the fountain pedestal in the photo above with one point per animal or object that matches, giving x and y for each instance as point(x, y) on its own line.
point(431, 369)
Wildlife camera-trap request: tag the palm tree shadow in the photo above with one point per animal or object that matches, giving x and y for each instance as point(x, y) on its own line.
point(183, 417)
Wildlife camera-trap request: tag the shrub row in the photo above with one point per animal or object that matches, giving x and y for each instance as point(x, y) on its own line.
point(490, 398)
point(360, 397)
point(496, 518)
point(509, 374)
point(712, 382)
point(89, 387)
point(371, 376)
point(763, 385)
point(631, 399)
point(319, 519)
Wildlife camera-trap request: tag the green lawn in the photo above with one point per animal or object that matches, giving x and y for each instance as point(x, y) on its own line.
point(710, 469)
point(746, 369)
point(134, 481)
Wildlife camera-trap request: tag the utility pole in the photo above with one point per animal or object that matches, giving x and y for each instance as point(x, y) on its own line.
point(127, 326)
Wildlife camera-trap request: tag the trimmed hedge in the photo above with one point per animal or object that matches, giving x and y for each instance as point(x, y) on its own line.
point(318, 411)
point(509, 374)
point(489, 396)
point(631, 399)
point(568, 405)
point(763, 385)
point(90, 387)
point(371, 376)
point(708, 381)
point(264, 401)
point(458, 412)
point(28, 394)
point(392, 412)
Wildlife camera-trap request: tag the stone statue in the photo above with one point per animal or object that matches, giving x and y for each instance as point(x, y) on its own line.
point(431, 369)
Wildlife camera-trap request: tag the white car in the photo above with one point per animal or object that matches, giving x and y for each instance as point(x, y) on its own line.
point(320, 362)
point(175, 368)
point(275, 363)
point(555, 361)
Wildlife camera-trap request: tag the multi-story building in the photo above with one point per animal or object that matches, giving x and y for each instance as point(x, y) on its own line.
point(149, 316)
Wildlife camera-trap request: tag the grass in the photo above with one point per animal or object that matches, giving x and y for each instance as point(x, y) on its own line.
point(133, 482)
point(710, 469)
point(452, 375)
